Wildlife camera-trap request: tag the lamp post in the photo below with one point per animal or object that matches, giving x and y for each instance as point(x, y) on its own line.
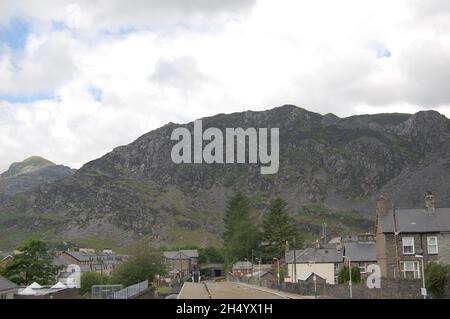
point(350, 276)
point(278, 272)
point(424, 289)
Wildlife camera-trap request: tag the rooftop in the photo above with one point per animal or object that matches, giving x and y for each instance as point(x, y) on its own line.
point(314, 255)
point(361, 251)
point(6, 284)
point(181, 254)
point(416, 221)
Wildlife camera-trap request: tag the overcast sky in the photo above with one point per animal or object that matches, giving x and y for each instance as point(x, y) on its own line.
point(78, 78)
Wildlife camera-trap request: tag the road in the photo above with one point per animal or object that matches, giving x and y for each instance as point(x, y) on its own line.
point(230, 290)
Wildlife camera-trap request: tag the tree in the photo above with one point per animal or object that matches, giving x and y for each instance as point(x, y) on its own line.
point(241, 234)
point(91, 278)
point(144, 264)
point(279, 227)
point(210, 255)
point(344, 275)
point(34, 263)
point(435, 277)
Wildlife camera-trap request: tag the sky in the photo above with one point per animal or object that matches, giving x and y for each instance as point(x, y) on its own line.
point(78, 78)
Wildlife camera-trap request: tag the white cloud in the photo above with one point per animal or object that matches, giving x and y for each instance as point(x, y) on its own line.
point(161, 61)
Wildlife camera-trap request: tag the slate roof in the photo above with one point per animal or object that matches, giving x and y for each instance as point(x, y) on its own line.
point(242, 265)
point(361, 251)
point(416, 221)
point(6, 284)
point(181, 254)
point(314, 255)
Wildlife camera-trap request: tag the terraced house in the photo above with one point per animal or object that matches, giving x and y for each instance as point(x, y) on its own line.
point(407, 237)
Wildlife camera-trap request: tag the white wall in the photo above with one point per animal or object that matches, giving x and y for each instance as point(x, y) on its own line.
point(323, 270)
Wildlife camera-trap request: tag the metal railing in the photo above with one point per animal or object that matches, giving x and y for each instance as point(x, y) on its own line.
point(131, 291)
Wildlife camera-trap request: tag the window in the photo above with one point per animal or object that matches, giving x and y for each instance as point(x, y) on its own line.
point(408, 245)
point(432, 245)
point(410, 269)
point(363, 268)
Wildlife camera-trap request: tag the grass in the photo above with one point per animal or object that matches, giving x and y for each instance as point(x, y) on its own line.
point(163, 290)
point(339, 223)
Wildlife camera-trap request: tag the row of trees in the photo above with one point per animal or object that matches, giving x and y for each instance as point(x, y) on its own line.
point(246, 233)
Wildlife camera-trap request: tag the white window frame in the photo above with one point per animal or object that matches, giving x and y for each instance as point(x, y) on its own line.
point(415, 270)
point(435, 245)
point(412, 245)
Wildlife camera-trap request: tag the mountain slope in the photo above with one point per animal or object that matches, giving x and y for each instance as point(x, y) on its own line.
point(28, 174)
point(339, 164)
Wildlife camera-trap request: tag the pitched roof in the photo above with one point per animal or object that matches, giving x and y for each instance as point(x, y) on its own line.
point(6, 284)
point(242, 265)
point(361, 251)
point(416, 221)
point(181, 254)
point(314, 255)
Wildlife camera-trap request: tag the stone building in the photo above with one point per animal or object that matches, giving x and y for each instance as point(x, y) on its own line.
point(180, 264)
point(405, 236)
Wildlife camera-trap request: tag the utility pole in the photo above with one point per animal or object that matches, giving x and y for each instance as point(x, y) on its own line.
point(350, 275)
point(295, 263)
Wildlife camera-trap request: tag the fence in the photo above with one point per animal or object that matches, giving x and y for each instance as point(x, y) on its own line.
point(131, 291)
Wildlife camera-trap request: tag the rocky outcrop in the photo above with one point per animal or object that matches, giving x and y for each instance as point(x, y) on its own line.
point(28, 174)
point(136, 190)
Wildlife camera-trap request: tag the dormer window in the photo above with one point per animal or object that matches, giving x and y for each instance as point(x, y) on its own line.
point(408, 245)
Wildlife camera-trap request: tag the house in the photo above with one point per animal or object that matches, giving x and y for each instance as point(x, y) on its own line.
point(406, 236)
point(242, 268)
point(89, 261)
point(310, 277)
point(361, 252)
point(7, 288)
point(180, 264)
point(325, 260)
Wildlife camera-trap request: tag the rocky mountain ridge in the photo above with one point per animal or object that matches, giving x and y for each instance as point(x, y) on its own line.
point(340, 164)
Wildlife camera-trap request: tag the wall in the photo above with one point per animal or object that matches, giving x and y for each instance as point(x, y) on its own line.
point(420, 244)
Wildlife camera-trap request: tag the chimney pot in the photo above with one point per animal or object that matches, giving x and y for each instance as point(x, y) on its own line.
point(429, 202)
point(383, 205)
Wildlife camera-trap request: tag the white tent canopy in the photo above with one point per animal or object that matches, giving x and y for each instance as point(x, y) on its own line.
point(59, 285)
point(35, 285)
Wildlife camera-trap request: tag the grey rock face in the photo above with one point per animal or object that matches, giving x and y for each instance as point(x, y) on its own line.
point(26, 175)
point(136, 190)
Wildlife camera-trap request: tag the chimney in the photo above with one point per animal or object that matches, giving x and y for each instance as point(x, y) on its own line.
point(383, 205)
point(317, 244)
point(429, 202)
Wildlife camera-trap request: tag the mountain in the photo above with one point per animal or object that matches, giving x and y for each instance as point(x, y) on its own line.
point(331, 170)
point(28, 174)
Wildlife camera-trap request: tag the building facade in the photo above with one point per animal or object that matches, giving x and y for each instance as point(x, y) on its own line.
point(407, 237)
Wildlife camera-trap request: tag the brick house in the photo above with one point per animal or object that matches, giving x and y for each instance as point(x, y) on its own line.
point(181, 263)
point(405, 236)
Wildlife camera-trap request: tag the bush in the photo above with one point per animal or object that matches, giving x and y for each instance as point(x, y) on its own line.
point(435, 277)
point(144, 264)
point(92, 278)
point(344, 275)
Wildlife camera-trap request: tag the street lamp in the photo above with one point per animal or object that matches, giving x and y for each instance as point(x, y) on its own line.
point(350, 275)
point(424, 289)
point(278, 272)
